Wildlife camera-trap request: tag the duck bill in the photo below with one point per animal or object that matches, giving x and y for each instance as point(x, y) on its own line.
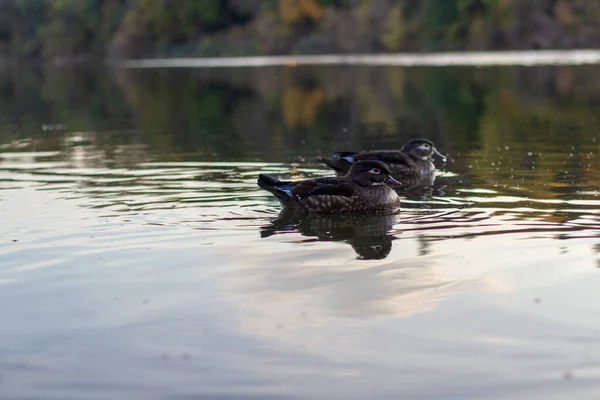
point(440, 155)
point(391, 181)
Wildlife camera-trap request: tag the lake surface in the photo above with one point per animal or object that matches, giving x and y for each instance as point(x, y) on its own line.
point(138, 258)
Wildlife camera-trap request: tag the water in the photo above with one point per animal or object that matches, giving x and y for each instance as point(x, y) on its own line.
point(138, 258)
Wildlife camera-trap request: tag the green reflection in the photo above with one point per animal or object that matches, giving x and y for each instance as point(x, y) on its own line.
point(501, 126)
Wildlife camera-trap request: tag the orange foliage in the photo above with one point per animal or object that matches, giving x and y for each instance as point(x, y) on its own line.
point(300, 106)
point(294, 10)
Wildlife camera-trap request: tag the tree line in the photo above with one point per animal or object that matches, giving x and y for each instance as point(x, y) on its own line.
point(83, 29)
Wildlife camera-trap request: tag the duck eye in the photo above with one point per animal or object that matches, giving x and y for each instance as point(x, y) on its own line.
point(375, 171)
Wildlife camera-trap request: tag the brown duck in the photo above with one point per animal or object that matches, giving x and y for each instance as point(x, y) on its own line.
point(362, 190)
point(413, 160)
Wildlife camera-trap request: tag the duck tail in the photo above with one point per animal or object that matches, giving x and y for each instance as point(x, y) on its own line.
point(281, 190)
point(339, 162)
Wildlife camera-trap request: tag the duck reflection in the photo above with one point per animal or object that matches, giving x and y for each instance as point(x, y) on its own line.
point(369, 235)
point(418, 188)
point(419, 182)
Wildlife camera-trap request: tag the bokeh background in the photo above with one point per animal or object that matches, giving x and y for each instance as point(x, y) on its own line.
point(56, 29)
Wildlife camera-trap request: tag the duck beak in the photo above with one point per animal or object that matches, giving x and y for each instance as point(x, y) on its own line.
point(440, 155)
point(391, 181)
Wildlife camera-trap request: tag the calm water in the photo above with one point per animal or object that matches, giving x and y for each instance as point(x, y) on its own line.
point(138, 258)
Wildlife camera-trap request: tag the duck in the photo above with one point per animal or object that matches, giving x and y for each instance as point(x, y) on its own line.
point(364, 190)
point(413, 161)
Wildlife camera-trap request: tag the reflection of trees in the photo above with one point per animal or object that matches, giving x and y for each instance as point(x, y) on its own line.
point(297, 105)
point(300, 105)
point(76, 98)
point(514, 127)
point(184, 115)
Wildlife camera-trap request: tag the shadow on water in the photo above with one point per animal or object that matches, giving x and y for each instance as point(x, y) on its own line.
point(369, 235)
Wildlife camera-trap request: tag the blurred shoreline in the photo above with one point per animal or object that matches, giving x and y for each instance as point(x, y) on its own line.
point(487, 58)
point(407, 59)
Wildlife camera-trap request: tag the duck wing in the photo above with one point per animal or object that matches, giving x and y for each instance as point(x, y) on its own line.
point(294, 191)
point(387, 156)
point(330, 186)
point(398, 162)
point(326, 195)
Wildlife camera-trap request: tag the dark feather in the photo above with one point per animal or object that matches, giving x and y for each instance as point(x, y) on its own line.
point(339, 165)
point(399, 162)
point(343, 189)
point(267, 181)
point(278, 188)
point(387, 156)
point(331, 180)
point(304, 188)
point(344, 154)
point(323, 186)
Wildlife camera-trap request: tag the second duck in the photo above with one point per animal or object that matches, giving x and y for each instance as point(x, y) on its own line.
point(413, 160)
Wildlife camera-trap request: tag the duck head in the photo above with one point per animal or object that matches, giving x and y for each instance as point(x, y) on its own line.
point(371, 173)
point(421, 149)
